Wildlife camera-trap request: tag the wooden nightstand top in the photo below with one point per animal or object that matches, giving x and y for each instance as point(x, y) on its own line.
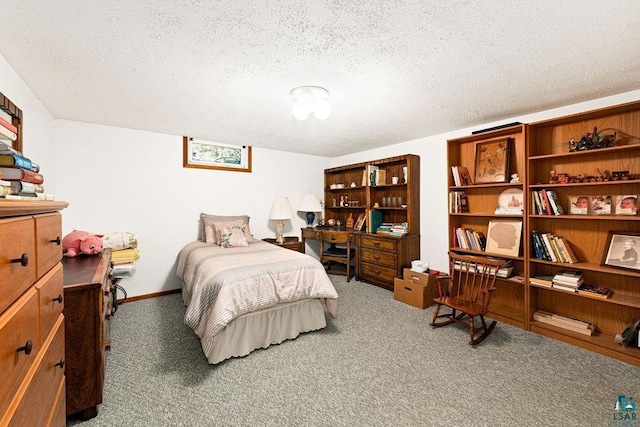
point(291, 242)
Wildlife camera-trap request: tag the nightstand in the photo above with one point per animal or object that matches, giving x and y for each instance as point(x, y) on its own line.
point(290, 242)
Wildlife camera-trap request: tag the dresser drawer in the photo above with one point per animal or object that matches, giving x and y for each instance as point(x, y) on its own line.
point(38, 401)
point(377, 273)
point(48, 241)
point(386, 259)
point(378, 243)
point(18, 326)
point(17, 258)
point(51, 299)
point(59, 414)
point(310, 233)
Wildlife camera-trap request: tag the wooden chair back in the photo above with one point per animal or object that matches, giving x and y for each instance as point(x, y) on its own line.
point(341, 255)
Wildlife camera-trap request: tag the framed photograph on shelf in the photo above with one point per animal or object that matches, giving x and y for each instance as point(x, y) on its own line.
point(601, 205)
point(359, 222)
point(627, 204)
point(492, 161)
point(579, 205)
point(503, 237)
point(215, 155)
point(621, 250)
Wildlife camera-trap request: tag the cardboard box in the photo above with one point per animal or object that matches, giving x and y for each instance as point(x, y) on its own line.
point(416, 289)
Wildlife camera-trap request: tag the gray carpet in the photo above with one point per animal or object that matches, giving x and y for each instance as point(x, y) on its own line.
point(377, 364)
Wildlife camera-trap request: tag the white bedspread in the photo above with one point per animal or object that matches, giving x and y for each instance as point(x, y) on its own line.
point(221, 284)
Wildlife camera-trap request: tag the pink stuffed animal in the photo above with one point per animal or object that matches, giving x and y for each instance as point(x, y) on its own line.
point(84, 242)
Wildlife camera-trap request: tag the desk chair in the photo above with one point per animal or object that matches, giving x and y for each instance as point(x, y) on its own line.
point(466, 292)
point(342, 255)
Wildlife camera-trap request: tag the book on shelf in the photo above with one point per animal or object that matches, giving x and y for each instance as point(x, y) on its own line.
point(10, 173)
point(575, 325)
point(564, 287)
point(26, 187)
point(381, 177)
point(594, 291)
point(542, 279)
point(554, 200)
point(15, 160)
point(7, 135)
point(506, 210)
point(375, 219)
point(8, 149)
point(10, 126)
point(458, 202)
point(569, 276)
point(503, 272)
point(461, 176)
point(29, 196)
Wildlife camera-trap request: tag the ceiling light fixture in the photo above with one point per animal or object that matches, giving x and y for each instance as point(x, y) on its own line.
point(310, 99)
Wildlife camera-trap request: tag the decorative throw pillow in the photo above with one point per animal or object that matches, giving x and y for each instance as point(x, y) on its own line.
point(209, 236)
point(229, 225)
point(232, 237)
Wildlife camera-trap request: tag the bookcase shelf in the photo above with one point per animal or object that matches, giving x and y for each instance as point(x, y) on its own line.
point(538, 149)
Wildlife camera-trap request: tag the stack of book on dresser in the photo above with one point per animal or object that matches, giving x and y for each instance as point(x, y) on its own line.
point(574, 325)
point(19, 176)
point(393, 229)
point(566, 280)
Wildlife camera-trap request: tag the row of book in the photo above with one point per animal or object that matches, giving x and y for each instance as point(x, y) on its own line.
point(467, 238)
point(458, 202)
point(571, 281)
point(574, 325)
point(393, 229)
point(549, 247)
point(503, 272)
point(461, 176)
point(546, 202)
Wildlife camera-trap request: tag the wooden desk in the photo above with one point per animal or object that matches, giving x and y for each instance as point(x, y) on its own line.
point(316, 234)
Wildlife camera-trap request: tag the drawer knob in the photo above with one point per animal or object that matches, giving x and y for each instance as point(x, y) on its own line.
point(56, 241)
point(376, 244)
point(59, 299)
point(27, 348)
point(60, 363)
point(23, 260)
point(376, 257)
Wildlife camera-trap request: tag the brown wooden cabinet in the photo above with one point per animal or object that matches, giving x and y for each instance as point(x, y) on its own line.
point(32, 357)
point(88, 293)
point(351, 191)
point(539, 151)
point(290, 242)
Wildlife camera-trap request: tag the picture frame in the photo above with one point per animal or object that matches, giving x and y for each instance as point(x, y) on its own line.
point(359, 222)
point(627, 204)
point(492, 161)
point(579, 205)
point(600, 205)
point(622, 250)
point(200, 154)
point(503, 237)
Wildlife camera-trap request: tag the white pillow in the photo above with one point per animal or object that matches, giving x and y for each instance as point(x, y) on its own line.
point(209, 235)
point(218, 226)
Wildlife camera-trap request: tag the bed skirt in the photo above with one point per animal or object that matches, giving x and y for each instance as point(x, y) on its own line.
point(263, 328)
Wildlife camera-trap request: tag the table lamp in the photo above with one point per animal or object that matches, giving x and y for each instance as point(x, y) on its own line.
point(280, 211)
point(310, 204)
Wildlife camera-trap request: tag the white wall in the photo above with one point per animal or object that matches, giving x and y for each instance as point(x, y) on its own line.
point(126, 180)
point(434, 173)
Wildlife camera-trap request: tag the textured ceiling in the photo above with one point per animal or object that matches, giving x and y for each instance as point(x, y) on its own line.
point(396, 70)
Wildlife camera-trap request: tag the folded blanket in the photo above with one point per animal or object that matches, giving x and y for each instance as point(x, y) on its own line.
point(125, 255)
point(120, 240)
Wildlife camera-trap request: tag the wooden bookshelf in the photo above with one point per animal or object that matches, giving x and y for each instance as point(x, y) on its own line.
point(16, 119)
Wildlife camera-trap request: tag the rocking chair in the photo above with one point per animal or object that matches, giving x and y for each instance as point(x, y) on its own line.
point(467, 291)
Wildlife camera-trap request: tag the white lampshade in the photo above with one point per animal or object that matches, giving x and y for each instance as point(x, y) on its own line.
point(310, 203)
point(281, 209)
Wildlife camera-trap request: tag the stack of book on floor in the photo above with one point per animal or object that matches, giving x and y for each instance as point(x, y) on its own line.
point(574, 325)
point(20, 177)
point(566, 280)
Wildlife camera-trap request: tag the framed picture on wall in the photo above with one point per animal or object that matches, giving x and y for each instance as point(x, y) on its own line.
point(359, 222)
point(492, 161)
point(214, 155)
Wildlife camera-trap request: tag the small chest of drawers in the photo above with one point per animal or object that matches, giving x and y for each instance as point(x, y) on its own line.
point(32, 354)
point(382, 258)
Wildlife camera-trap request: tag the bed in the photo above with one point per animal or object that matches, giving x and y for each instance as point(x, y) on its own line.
point(239, 299)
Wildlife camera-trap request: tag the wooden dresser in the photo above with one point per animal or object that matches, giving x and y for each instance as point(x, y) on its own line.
point(382, 258)
point(88, 294)
point(32, 355)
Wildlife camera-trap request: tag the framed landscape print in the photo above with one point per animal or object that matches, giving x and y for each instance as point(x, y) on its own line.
point(492, 161)
point(621, 250)
point(215, 155)
point(503, 237)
